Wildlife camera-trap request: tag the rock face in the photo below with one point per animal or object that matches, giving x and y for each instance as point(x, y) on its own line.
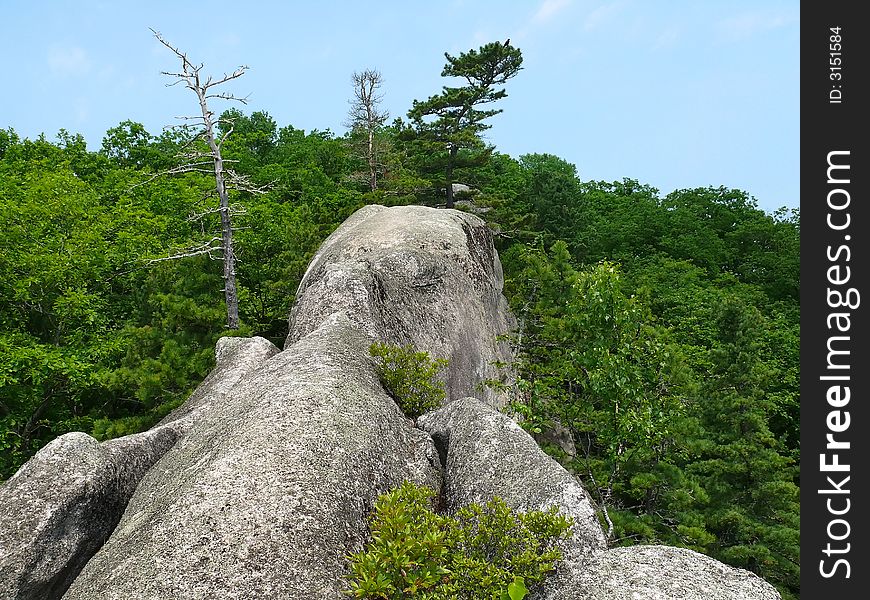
point(234, 358)
point(63, 504)
point(662, 573)
point(486, 454)
point(271, 490)
point(415, 275)
point(60, 507)
point(261, 484)
point(461, 189)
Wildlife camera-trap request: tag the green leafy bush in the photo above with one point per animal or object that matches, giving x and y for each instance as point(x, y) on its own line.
point(410, 377)
point(481, 553)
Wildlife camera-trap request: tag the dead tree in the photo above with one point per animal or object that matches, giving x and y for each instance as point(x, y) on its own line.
point(213, 132)
point(365, 119)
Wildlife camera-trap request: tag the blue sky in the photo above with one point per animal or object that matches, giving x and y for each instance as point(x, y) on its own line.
point(673, 93)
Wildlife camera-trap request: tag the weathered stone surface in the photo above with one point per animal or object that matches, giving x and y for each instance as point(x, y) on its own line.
point(462, 189)
point(415, 275)
point(486, 454)
point(556, 434)
point(235, 357)
point(60, 507)
point(271, 489)
point(63, 504)
point(661, 573)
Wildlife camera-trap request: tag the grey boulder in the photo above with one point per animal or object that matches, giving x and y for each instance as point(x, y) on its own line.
point(486, 454)
point(271, 489)
point(420, 276)
point(63, 504)
point(60, 507)
point(661, 573)
point(461, 189)
point(235, 357)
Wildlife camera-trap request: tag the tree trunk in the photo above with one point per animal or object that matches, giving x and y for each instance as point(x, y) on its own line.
point(230, 294)
point(373, 164)
point(451, 160)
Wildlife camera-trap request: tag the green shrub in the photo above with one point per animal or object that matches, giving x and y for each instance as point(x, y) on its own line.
point(481, 553)
point(410, 377)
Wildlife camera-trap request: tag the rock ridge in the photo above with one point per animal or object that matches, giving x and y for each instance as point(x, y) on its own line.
point(262, 482)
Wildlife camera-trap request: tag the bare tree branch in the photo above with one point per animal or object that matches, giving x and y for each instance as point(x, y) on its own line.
point(243, 183)
point(205, 248)
point(235, 98)
point(212, 162)
point(233, 210)
point(226, 134)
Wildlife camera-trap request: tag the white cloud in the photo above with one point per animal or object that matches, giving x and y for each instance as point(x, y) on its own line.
point(549, 9)
point(745, 25)
point(68, 61)
point(543, 15)
point(603, 16)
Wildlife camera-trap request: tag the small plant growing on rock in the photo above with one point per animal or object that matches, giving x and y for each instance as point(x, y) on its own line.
point(410, 377)
point(481, 553)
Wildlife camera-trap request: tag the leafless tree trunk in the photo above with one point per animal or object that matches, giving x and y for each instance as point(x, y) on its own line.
point(365, 118)
point(211, 161)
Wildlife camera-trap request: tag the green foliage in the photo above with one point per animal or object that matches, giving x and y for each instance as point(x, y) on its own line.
point(106, 429)
point(448, 125)
point(592, 358)
point(410, 377)
point(662, 331)
point(682, 398)
point(482, 552)
point(44, 391)
point(753, 510)
point(129, 145)
point(95, 338)
point(90, 333)
point(516, 590)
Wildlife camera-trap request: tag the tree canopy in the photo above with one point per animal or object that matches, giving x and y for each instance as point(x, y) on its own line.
point(451, 122)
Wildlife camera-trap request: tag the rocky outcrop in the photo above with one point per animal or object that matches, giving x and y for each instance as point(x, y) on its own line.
point(269, 492)
point(261, 484)
point(60, 507)
point(420, 276)
point(235, 357)
point(486, 454)
point(63, 504)
point(661, 573)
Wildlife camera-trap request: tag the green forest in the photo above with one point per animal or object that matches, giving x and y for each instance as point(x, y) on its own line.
point(658, 334)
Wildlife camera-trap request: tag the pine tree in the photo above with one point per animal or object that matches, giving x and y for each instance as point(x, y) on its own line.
point(753, 509)
point(453, 120)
